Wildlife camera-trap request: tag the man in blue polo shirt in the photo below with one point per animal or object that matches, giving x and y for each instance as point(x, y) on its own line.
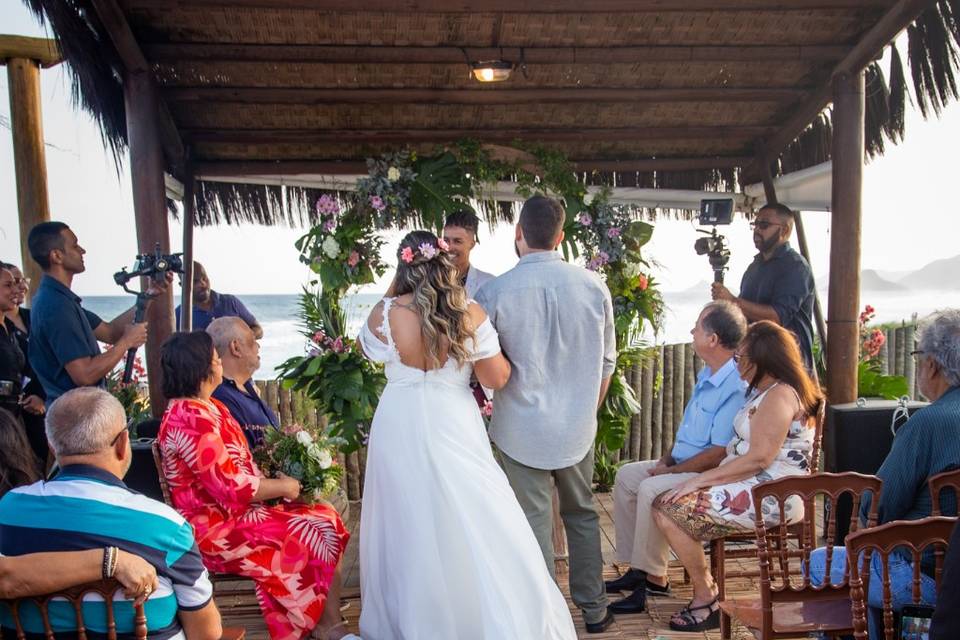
point(63, 336)
point(87, 506)
point(700, 444)
point(240, 355)
point(208, 305)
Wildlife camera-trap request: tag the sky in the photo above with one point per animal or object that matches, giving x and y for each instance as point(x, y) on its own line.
point(909, 207)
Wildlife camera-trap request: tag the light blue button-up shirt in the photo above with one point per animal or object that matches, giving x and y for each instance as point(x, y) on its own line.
point(708, 417)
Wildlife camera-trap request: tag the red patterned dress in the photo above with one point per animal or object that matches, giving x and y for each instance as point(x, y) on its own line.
point(290, 550)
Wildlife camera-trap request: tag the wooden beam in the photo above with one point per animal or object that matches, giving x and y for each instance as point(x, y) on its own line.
point(29, 157)
point(491, 96)
point(301, 53)
point(515, 6)
point(361, 136)
point(43, 51)
point(150, 212)
point(115, 23)
point(882, 33)
point(186, 291)
point(843, 304)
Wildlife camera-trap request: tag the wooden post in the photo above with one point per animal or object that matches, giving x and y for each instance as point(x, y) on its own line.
point(29, 162)
point(656, 432)
point(150, 211)
point(678, 400)
point(648, 373)
point(844, 298)
point(666, 394)
point(186, 290)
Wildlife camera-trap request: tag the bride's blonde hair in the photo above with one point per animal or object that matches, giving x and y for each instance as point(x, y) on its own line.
point(425, 269)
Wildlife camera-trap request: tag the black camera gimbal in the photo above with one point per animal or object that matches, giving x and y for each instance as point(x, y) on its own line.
point(714, 212)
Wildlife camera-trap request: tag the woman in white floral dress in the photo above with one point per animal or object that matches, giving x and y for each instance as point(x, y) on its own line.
point(773, 438)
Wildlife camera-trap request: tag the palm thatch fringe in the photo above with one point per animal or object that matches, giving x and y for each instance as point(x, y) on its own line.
point(898, 97)
point(877, 116)
point(932, 50)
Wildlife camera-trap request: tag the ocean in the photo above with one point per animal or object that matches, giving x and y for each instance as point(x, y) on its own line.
point(282, 337)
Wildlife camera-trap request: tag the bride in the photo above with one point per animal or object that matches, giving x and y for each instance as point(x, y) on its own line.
point(445, 550)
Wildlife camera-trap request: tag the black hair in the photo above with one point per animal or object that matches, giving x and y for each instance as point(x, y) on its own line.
point(44, 238)
point(541, 220)
point(781, 210)
point(185, 362)
point(465, 219)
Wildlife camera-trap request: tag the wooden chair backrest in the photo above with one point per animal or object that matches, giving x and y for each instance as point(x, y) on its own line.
point(939, 482)
point(74, 595)
point(158, 461)
point(913, 536)
point(817, 449)
point(776, 582)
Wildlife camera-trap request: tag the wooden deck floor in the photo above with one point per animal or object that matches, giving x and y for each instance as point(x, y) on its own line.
point(241, 610)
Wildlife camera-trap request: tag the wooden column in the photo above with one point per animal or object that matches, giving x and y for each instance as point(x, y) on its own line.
point(844, 298)
point(186, 291)
point(150, 211)
point(26, 124)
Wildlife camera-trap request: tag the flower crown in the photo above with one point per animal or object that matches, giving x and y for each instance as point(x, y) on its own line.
point(425, 249)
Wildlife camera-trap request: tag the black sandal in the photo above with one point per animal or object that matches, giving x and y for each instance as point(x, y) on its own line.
point(691, 622)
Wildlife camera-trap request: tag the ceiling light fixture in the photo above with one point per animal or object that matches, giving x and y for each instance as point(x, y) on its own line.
point(491, 70)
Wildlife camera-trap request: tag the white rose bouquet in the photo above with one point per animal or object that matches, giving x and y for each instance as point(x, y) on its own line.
point(302, 454)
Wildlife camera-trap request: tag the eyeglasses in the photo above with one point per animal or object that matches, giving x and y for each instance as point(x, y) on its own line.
point(117, 437)
point(917, 352)
point(737, 357)
point(763, 225)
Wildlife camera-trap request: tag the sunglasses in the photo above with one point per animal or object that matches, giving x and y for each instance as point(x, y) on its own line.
point(763, 225)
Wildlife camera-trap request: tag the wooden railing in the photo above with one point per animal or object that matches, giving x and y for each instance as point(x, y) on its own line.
point(663, 384)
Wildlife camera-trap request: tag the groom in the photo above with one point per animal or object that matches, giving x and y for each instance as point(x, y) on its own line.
point(555, 322)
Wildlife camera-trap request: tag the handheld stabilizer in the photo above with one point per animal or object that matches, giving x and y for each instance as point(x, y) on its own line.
point(714, 246)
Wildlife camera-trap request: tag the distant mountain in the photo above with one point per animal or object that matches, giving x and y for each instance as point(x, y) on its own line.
point(940, 275)
point(870, 280)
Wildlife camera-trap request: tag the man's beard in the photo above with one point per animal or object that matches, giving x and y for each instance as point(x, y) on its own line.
point(766, 245)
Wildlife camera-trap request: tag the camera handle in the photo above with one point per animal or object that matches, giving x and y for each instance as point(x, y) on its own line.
point(718, 274)
point(138, 315)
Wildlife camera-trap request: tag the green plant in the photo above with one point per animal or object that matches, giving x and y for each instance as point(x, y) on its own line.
point(304, 454)
point(132, 395)
point(871, 381)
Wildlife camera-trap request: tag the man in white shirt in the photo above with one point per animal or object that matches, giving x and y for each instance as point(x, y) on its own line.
point(460, 233)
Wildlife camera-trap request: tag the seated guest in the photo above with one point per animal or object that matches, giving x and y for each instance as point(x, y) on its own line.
point(17, 321)
point(208, 305)
point(946, 623)
point(18, 465)
point(773, 438)
point(927, 444)
point(290, 550)
point(239, 353)
point(87, 506)
point(37, 574)
point(700, 444)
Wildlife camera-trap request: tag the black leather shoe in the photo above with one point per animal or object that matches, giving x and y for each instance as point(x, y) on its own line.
point(603, 625)
point(629, 581)
point(657, 590)
point(636, 602)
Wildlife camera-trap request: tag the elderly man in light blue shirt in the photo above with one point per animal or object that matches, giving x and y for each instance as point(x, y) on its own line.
point(700, 444)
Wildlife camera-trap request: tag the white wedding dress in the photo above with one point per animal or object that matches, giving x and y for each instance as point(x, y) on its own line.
point(445, 549)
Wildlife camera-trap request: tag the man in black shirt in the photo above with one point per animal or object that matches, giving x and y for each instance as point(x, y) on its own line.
point(778, 285)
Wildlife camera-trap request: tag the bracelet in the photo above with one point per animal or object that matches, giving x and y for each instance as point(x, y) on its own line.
point(115, 557)
point(105, 567)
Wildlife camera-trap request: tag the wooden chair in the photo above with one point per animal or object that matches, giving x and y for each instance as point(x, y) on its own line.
point(74, 595)
point(789, 604)
point(939, 482)
point(901, 535)
point(719, 553)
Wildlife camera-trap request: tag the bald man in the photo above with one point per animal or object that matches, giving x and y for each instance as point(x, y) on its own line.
point(240, 353)
point(208, 305)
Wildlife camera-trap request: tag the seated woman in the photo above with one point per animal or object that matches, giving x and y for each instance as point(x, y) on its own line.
point(18, 465)
point(773, 438)
point(291, 551)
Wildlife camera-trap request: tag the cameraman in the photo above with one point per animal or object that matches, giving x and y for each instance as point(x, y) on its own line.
point(63, 343)
point(778, 285)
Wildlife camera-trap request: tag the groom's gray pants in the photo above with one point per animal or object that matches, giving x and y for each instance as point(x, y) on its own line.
point(534, 491)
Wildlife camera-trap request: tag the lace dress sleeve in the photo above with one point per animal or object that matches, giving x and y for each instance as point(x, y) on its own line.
point(487, 343)
point(375, 348)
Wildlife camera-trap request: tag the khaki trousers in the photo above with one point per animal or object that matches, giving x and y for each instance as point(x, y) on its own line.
point(639, 541)
point(534, 490)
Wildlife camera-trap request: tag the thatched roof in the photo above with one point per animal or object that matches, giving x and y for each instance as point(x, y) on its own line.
point(635, 93)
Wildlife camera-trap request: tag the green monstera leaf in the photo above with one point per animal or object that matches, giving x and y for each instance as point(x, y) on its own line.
point(441, 187)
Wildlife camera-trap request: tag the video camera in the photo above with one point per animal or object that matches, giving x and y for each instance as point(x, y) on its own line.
point(155, 266)
point(715, 212)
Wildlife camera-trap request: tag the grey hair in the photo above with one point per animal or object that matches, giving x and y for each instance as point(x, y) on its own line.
point(940, 339)
point(725, 319)
point(225, 330)
point(83, 421)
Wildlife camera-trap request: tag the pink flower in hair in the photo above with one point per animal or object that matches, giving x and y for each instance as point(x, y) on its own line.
point(444, 246)
point(407, 255)
point(427, 250)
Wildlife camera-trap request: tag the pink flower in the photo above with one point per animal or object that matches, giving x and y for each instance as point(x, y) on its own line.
point(487, 409)
point(353, 259)
point(407, 255)
point(443, 244)
point(642, 282)
point(329, 225)
point(319, 337)
point(327, 205)
point(613, 232)
point(337, 345)
point(377, 203)
point(427, 250)
point(585, 219)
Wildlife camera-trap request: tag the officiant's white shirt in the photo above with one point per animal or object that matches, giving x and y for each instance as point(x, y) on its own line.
point(475, 280)
point(555, 322)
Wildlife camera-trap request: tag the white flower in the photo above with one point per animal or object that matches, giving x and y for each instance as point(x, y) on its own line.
point(304, 438)
point(313, 450)
point(325, 460)
point(588, 197)
point(393, 174)
point(330, 247)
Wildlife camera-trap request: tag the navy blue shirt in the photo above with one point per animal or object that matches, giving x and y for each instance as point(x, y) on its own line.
point(785, 283)
point(247, 408)
point(224, 306)
point(61, 331)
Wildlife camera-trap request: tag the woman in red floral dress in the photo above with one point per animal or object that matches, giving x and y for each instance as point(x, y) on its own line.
point(291, 550)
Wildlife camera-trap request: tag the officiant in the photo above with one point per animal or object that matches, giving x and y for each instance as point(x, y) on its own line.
point(460, 231)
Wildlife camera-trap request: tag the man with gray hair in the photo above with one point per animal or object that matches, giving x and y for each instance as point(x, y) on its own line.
point(239, 352)
point(87, 506)
point(700, 445)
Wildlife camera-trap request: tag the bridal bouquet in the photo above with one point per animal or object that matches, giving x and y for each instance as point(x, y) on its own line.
point(299, 453)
